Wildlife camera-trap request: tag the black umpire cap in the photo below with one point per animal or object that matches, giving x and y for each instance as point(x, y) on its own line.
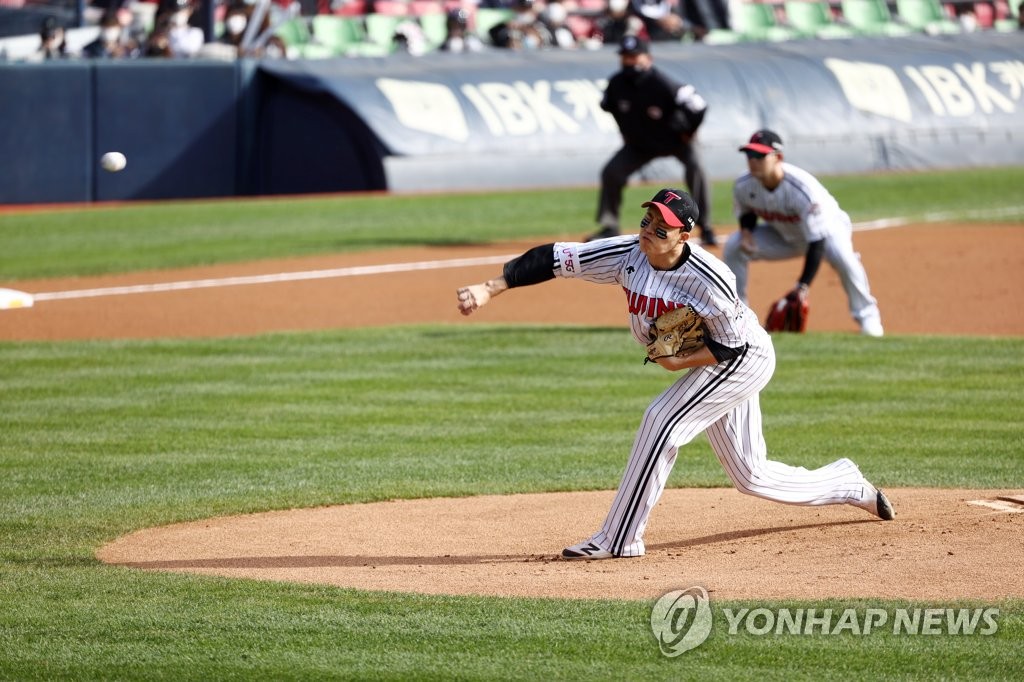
point(634, 45)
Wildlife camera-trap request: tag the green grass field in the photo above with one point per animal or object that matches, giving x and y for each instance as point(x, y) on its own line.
point(101, 438)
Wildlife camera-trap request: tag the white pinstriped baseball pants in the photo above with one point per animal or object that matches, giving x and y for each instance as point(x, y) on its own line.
point(723, 401)
point(839, 253)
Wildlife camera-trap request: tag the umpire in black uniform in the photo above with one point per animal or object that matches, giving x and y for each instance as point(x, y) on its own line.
point(657, 116)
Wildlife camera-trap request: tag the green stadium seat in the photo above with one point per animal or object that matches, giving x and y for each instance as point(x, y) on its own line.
point(1006, 19)
point(380, 35)
point(435, 28)
point(298, 40)
point(926, 16)
point(294, 32)
point(722, 36)
point(813, 19)
point(486, 18)
point(872, 17)
point(755, 21)
point(340, 34)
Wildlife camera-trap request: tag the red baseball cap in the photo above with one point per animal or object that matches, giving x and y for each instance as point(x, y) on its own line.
point(677, 208)
point(763, 142)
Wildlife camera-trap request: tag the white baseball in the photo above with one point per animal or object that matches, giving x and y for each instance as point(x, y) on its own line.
point(113, 161)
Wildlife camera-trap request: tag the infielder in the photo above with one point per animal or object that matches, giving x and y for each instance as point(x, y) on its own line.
point(660, 270)
point(784, 212)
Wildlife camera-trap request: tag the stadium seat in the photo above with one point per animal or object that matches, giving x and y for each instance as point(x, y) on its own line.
point(339, 33)
point(488, 17)
point(755, 21)
point(380, 35)
point(395, 8)
point(1006, 15)
point(872, 17)
point(722, 36)
point(435, 28)
point(813, 19)
point(582, 27)
point(299, 42)
point(421, 8)
point(985, 13)
point(349, 8)
point(926, 16)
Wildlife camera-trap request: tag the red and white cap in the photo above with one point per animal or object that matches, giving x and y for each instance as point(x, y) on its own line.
point(763, 142)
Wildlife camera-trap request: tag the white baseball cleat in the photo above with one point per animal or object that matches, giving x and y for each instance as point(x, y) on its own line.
point(879, 505)
point(872, 326)
point(586, 550)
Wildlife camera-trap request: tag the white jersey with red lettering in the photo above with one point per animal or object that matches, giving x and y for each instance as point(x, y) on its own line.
point(800, 208)
point(720, 400)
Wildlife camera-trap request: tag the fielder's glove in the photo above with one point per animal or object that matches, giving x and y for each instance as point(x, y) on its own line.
point(788, 314)
point(678, 332)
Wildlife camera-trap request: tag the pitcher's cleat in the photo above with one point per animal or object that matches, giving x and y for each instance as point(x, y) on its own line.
point(586, 550)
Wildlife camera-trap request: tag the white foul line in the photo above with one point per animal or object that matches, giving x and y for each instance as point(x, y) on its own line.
point(382, 269)
point(269, 279)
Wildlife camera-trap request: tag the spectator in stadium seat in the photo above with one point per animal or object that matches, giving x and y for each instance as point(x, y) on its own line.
point(183, 39)
point(617, 22)
point(703, 16)
point(554, 17)
point(158, 43)
point(459, 38)
point(662, 20)
point(236, 21)
point(524, 31)
point(51, 38)
point(113, 41)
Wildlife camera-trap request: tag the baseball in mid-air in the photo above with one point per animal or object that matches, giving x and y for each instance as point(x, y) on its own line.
point(113, 161)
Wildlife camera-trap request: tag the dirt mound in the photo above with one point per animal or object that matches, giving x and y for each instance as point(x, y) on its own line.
point(943, 543)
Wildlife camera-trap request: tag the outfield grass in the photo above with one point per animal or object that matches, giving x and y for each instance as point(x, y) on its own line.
point(101, 438)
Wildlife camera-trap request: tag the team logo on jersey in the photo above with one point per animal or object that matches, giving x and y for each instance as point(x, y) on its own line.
point(639, 304)
point(774, 217)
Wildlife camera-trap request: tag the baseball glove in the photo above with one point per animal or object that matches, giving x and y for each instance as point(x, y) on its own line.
point(679, 332)
point(788, 314)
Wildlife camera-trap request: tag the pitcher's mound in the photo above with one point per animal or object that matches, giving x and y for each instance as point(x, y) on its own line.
point(943, 545)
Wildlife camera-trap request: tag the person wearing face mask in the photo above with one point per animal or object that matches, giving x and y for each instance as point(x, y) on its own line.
point(112, 42)
point(524, 31)
point(617, 22)
point(236, 21)
point(657, 116)
point(182, 39)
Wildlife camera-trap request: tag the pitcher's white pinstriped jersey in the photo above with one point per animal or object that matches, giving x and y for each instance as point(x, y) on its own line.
point(800, 208)
point(702, 281)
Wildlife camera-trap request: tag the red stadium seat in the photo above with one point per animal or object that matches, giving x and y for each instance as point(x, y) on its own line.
point(985, 13)
point(394, 8)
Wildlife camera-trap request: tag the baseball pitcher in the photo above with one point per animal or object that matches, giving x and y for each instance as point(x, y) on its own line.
point(685, 311)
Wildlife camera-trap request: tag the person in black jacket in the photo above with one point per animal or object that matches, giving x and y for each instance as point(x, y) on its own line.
point(657, 116)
